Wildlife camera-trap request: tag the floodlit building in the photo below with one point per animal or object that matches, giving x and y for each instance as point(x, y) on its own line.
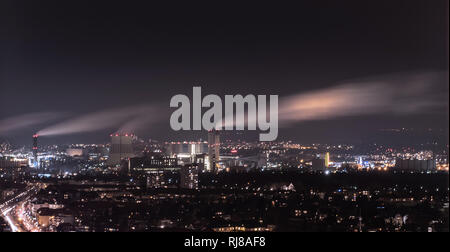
point(121, 148)
point(74, 152)
point(415, 164)
point(186, 148)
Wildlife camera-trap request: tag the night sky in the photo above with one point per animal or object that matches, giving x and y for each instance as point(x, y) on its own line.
point(78, 59)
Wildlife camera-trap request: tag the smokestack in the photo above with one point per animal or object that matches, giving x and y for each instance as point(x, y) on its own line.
point(35, 147)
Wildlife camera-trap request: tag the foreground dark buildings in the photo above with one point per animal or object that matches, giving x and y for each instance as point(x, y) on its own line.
point(266, 201)
point(252, 187)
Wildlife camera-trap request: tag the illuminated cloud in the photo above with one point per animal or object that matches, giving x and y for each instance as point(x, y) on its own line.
point(397, 94)
point(400, 94)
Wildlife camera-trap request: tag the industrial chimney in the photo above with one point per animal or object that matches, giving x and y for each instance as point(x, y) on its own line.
point(35, 148)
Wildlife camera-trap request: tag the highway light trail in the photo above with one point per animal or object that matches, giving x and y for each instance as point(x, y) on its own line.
point(11, 218)
point(9, 221)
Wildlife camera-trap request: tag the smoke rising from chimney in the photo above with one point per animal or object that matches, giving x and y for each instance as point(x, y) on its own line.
point(15, 123)
point(137, 115)
point(400, 94)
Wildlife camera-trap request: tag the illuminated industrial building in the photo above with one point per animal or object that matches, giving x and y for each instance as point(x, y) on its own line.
point(415, 165)
point(186, 148)
point(121, 148)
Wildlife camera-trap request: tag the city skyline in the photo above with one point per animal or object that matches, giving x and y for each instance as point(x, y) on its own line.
point(220, 125)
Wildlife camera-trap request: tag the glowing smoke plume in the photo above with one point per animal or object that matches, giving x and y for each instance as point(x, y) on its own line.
point(100, 120)
point(400, 94)
point(25, 121)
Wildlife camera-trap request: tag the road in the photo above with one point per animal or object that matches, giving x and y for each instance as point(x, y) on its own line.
point(12, 209)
